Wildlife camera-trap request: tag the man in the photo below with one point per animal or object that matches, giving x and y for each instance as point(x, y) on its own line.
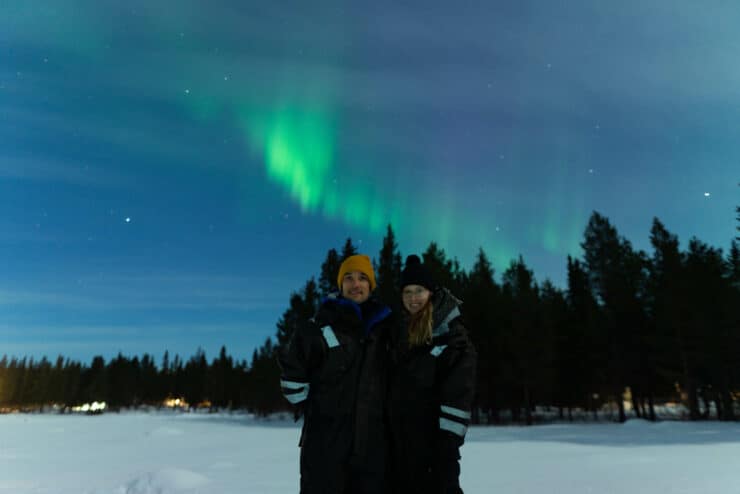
point(334, 373)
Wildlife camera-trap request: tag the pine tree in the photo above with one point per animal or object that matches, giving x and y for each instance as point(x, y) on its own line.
point(441, 269)
point(16, 378)
point(165, 378)
point(710, 316)
point(329, 272)
point(641, 336)
point(303, 306)
point(4, 381)
point(389, 269)
point(612, 269)
point(177, 372)
point(220, 379)
point(666, 303)
point(530, 348)
point(72, 377)
point(733, 264)
point(36, 386)
point(583, 348)
point(264, 379)
point(94, 381)
point(149, 381)
point(240, 389)
point(733, 327)
point(553, 319)
point(195, 378)
point(483, 320)
point(121, 382)
point(348, 250)
point(56, 382)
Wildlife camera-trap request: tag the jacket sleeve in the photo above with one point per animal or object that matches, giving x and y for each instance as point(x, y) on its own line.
point(298, 360)
point(456, 387)
point(456, 383)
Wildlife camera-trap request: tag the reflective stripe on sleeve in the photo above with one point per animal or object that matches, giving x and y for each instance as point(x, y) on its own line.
point(455, 412)
point(452, 426)
point(292, 385)
point(330, 337)
point(297, 397)
point(294, 391)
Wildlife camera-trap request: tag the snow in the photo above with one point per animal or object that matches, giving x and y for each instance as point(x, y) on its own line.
point(177, 453)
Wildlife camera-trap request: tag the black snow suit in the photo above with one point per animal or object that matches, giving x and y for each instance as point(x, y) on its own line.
point(335, 373)
point(430, 394)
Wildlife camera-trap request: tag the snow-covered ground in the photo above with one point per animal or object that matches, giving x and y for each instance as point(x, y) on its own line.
point(139, 453)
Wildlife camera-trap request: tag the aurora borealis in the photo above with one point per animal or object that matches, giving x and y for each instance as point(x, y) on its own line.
point(170, 171)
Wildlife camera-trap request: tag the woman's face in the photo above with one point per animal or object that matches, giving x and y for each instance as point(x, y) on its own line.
point(415, 297)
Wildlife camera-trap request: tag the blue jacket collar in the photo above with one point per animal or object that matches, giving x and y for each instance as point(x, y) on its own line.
point(377, 316)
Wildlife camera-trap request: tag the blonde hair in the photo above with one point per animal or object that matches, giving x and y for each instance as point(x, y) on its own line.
point(420, 326)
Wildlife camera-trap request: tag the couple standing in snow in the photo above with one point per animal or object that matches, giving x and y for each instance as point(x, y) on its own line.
point(385, 395)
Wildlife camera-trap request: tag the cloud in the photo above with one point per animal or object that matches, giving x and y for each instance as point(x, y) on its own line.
point(148, 292)
point(108, 332)
point(131, 128)
point(49, 170)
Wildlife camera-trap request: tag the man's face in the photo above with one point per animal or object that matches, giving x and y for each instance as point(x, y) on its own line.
point(356, 287)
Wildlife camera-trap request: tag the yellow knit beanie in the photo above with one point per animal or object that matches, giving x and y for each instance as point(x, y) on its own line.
point(359, 263)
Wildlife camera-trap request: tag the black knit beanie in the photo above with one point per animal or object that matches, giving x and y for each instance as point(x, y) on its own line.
point(415, 273)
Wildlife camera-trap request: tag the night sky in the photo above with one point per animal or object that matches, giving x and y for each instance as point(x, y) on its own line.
point(171, 170)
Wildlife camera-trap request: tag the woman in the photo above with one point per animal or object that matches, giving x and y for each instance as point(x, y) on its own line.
point(430, 387)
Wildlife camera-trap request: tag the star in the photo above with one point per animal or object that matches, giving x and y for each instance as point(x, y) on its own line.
point(128, 220)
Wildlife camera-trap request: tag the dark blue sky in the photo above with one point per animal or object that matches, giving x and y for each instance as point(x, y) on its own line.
point(169, 173)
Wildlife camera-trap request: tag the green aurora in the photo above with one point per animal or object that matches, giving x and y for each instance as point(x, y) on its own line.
point(297, 140)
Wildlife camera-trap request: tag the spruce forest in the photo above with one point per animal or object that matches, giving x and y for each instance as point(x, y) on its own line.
point(664, 325)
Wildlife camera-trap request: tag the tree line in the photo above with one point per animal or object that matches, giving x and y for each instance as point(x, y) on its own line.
point(224, 383)
point(664, 324)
